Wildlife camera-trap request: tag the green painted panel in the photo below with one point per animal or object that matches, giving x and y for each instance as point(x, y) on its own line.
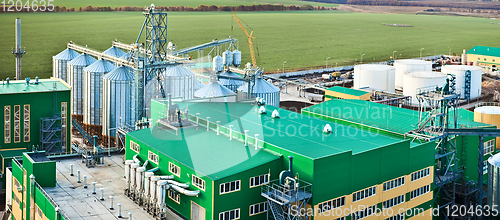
point(394, 161)
point(421, 156)
point(366, 169)
point(331, 177)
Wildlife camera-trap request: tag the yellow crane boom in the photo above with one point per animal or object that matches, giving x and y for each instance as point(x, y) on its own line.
point(250, 44)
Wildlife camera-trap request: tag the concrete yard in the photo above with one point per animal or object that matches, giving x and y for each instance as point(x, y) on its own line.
point(79, 203)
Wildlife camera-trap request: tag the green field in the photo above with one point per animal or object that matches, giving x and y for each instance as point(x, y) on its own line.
point(304, 38)
point(190, 3)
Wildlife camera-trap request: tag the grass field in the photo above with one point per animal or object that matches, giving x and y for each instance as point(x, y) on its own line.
point(191, 3)
point(304, 39)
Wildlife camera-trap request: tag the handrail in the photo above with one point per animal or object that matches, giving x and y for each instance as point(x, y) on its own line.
point(285, 195)
point(51, 200)
point(486, 104)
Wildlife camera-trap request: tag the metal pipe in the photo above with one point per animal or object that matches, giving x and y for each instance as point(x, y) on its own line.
point(246, 138)
point(208, 123)
point(78, 171)
point(136, 160)
point(71, 170)
point(111, 198)
point(230, 132)
point(85, 181)
point(185, 191)
point(145, 164)
point(256, 141)
point(93, 187)
point(130, 215)
point(102, 194)
point(218, 127)
point(120, 210)
point(153, 170)
point(182, 185)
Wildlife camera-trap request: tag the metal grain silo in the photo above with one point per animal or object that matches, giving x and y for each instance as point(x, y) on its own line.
point(214, 89)
point(114, 51)
point(75, 80)
point(198, 84)
point(179, 81)
point(263, 89)
point(227, 58)
point(493, 164)
point(60, 61)
point(232, 84)
point(92, 98)
point(236, 58)
point(118, 100)
point(218, 64)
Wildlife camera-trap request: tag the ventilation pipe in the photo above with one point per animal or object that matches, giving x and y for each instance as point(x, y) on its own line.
point(133, 167)
point(275, 114)
point(170, 177)
point(152, 188)
point(139, 178)
point(147, 182)
point(36, 80)
point(185, 191)
point(175, 183)
point(136, 159)
point(127, 169)
point(327, 129)
point(145, 164)
point(153, 170)
point(160, 192)
point(290, 163)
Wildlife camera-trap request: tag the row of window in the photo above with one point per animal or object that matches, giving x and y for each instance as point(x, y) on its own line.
point(230, 187)
point(230, 215)
point(364, 213)
point(259, 180)
point(17, 123)
point(172, 194)
point(394, 183)
point(364, 194)
point(153, 157)
point(397, 217)
point(134, 146)
point(420, 174)
point(332, 204)
point(258, 208)
point(420, 191)
point(489, 146)
point(479, 59)
point(394, 201)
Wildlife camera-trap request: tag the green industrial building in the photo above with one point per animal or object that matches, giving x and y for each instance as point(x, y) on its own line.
point(234, 174)
point(35, 116)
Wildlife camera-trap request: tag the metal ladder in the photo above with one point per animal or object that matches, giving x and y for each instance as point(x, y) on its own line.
point(276, 210)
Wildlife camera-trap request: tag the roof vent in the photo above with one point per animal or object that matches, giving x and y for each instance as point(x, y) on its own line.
point(327, 129)
point(488, 49)
point(474, 49)
point(275, 114)
point(8, 80)
point(260, 101)
point(28, 81)
point(262, 110)
point(36, 80)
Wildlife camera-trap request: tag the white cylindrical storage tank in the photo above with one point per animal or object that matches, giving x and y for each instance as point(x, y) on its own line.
point(127, 169)
point(161, 191)
point(460, 72)
point(227, 58)
point(92, 99)
point(236, 58)
point(133, 168)
point(404, 67)
point(263, 89)
point(118, 100)
point(493, 164)
point(232, 84)
point(179, 81)
point(218, 64)
point(60, 62)
point(139, 178)
point(374, 76)
point(75, 80)
point(418, 80)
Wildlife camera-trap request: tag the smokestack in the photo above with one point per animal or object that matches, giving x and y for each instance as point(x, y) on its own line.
point(464, 58)
point(290, 160)
point(18, 51)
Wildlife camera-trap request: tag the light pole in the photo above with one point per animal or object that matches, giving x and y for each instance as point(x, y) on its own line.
point(449, 51)
point(362, 57)
point(421, 52)
point(326, 62)
point(284, 66)
point(393, 55)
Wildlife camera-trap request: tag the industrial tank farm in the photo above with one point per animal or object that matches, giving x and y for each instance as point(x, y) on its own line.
point(75, 80)
point(60, 62)
point(404, 67)
point(418, 80)
point(374, 77)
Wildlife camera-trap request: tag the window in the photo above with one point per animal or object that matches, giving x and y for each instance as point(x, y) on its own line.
point(478, 59)
point(341, 218)
point(39, 212)
point(259, 180)
point(489, 146)
point(229, 187)
point(258, 208)
point(16, 199)
point(332, 204)
point(6, 112)
point(394, 183)
point(198, 182)
point(485, 167)
point(153, 157)
point(17, 184)
point(134, 146)
point(484, 59)
point(26, 123)
point(230, 215)
point(174, 196)
point(393, 202)
point(364, 194)
point(174, 169)
point(420, 191)
point(17, 123)
point(397, 217)
point(364, 213)
point(64, 114)
point(493, 60)
point(420, 174)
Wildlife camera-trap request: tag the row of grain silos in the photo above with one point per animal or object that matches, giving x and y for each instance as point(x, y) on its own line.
point(411, 76)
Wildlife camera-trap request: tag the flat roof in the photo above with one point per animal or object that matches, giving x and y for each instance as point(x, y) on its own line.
point(293, 132)
point(348, 91)
point(385, 117)
point(483, 50)
point(44, 85)
point(38, 156)
point(10, 153)
point(212, 155)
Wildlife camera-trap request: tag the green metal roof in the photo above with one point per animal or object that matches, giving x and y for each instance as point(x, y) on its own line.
point(486, 51)
point(385, 117)
point(213, 155)
point(9, 153)
point(348, 91)
point(44, 85)
point(293, 132)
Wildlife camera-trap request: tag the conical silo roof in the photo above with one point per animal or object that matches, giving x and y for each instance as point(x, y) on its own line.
point(261, 86)
point(231, 82)
point(82, 60)
point(100, 66)
point(178, 71)
point(213, 89)
point(113, 51)
point(122, 73)
point(198, 84)
point(126, 56)
point(67, 54)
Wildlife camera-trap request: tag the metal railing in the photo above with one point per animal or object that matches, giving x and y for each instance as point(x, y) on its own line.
point(487, 104)
point(285, 195)
point(51, 200)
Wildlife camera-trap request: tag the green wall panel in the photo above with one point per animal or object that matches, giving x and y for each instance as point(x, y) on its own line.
point(394, 161)
point(331, 177)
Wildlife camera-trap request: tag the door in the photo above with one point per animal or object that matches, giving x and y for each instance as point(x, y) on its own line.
point(197, 212)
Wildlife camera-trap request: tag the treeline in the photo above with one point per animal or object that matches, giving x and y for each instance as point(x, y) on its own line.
point(447, 4)
point(260, 7)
